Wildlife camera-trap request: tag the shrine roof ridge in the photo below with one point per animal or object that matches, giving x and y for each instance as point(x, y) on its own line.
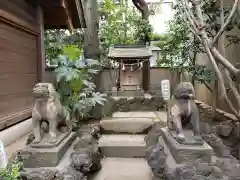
point(130, 52)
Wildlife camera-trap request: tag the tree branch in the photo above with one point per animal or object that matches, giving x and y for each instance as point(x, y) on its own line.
point(194, 29)
point(188, 10)
point(196, 4)
point(220, 78)
point(142, 6)
point(215, 39)
point(193, 62)
point(209, 88)
point(234, 89)
point(190, 20)
point(212, 52)
point(215, 67)
point(205, 41)
point(225, 62)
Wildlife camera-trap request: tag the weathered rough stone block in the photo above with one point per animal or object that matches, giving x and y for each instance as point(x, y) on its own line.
point(45, 157)
point(185, 153)
point(224, 129)
point(126, 125)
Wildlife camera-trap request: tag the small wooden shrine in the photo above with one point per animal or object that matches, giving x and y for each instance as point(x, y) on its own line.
point(133, 66)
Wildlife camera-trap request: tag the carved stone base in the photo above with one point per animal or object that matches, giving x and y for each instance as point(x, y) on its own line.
point(45, 144)
point(35, 157)
point(184, 153)
point(189, 138)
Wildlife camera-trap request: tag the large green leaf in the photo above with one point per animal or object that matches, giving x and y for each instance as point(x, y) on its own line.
point(76, 89)
point(72, 52)
point(99, 98)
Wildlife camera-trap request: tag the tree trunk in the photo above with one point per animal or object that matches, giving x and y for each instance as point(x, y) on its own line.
point(194, 64)
point(221, 49)
point(194, 18)
point(142, 6)
point(91, 40)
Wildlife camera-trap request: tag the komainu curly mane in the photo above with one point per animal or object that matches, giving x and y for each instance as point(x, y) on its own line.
point(48, 107)
point(182, 110)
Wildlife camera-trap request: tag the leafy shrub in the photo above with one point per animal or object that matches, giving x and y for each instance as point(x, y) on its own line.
point(12, 172)
point(74, 76)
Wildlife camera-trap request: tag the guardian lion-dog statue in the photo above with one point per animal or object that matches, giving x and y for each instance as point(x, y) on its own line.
point(182, 110)
point(48, 108)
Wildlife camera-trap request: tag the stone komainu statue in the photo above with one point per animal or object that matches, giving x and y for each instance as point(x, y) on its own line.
point(182, 110)
point(48, 108)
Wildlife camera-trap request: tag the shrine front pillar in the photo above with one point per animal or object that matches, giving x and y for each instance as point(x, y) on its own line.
point(145, 75)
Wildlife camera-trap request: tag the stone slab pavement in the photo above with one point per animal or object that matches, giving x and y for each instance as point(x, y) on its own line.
point(16, 146)
point(124, 169)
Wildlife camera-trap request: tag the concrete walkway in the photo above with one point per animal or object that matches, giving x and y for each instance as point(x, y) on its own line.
point(14, 138)
point(16, 146)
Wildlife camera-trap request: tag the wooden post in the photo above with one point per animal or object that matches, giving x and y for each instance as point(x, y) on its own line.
point(146, 75)
point(69, 19)
point(40, 47)
point(118, 83)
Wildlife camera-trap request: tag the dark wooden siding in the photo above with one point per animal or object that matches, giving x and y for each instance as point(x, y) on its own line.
point(18, 73)
point(19, 8)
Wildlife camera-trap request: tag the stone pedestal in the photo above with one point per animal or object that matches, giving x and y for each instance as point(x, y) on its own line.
point(183, 153)
point(36, 157)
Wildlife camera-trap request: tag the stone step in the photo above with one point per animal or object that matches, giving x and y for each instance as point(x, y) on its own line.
point(124, 169)
point(122, 145)
point(132, 122)
point(126, 125)
point(135, 114)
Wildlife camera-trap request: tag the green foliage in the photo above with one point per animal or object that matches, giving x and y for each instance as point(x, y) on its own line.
point(55, 40)
point(179, 48)
point(11, 172)
point(122, 25)
point(52, 44)
point(212, 12)
point(145, 31)
point(74, 76)
point(200, 73)
point(157, 37)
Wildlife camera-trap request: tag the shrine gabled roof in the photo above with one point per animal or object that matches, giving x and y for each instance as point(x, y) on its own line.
point(130, 53)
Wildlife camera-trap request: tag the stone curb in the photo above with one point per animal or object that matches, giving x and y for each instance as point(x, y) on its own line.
point(12, 134)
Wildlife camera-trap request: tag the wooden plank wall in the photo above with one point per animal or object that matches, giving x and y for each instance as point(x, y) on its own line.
point(19, 55)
